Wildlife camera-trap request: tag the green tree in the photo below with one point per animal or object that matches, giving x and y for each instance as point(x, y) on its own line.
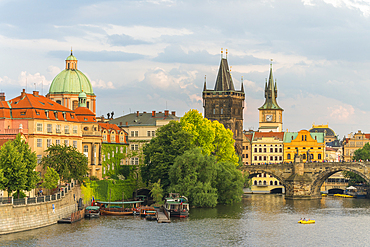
point(14, 170)
point(51, 178)
point(67, 161)
point(362, 153)
point(212, 137)
point(157, 192)
point(29, 158)
point(160, 154)
point(353, 178)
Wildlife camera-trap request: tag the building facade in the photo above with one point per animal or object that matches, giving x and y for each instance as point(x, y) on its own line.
point(311, 146)
point(225, 104)
point(141, 128)
point(330, 135)
point(267, 148)
point(352, 143)
point(247, 148)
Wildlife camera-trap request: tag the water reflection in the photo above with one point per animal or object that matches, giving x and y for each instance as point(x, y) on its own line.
point(258, 220)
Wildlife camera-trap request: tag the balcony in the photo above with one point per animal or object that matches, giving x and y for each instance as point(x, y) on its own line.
point(15, 131)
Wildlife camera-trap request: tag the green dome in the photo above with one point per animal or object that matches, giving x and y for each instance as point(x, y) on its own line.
point(71, 57)
point(71, 81)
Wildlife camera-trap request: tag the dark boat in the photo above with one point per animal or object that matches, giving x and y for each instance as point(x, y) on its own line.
point(92, 212)
point(177, 205)
point(118, 208)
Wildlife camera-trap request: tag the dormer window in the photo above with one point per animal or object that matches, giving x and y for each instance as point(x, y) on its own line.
point(47, 114)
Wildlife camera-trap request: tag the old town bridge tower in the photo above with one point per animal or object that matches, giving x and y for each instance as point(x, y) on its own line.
point(225, 104)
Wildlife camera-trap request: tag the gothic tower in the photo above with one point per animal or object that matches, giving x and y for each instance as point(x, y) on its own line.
point(271, 114)
point(225, 104)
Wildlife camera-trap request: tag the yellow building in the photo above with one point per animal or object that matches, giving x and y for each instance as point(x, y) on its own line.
point(336, 183)
point(309, 145)
point(354, 142)
point(247, 148)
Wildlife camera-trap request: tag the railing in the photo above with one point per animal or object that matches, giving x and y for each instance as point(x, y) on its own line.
point(15, 131)
point(40, 199)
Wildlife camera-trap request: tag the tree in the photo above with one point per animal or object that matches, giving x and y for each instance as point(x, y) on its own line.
point(353, 178)
point(67, 161)
point(362, 153)
point(14, 170)
point(212, 137)
point(51, 178)
point(157, 192)
point(160, 154)
point(29, 158)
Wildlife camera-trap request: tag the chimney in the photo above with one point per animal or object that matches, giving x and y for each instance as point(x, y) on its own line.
point(23, 93)
point(2, 96)
point(102, 119)
point(126, 123)
point(153, 113)
point(137, 113)
point(166, 113)
point(173, 113)
point(36, 93)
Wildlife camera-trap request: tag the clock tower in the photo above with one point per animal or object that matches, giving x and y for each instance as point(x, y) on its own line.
point(271, 115)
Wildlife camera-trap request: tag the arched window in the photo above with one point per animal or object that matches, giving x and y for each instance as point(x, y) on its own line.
point(288, 157)
point(312, 156)
point(276, 182)
point(304, 156)
point(305, 138)
point(59, 102)
point(319, 156)
point(264, 182)
point(255, 182)
point(264, 175)
point(271, 183)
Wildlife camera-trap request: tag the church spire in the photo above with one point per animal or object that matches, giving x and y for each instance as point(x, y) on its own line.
point(205, 83)
point(224, 81)
point(242, 87)
point(270, 93)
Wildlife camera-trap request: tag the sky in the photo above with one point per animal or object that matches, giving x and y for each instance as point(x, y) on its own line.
point(154, 54)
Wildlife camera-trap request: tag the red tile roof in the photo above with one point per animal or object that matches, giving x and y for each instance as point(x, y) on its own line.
point(276, 135)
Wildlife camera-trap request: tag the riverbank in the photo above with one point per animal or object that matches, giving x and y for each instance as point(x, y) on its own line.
point(24, 217)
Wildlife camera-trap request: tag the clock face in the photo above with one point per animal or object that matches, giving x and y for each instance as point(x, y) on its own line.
point(268, 118)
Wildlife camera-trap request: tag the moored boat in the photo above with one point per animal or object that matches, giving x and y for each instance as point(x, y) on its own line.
point(177, 205)
point(147, 211)
point(92, 212)
point(307, 221)
point(118, 208)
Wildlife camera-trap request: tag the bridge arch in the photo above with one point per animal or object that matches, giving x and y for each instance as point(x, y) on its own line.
point(254, 173)
point(320, 178)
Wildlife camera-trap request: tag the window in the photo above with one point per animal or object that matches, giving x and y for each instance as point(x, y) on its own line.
point(103, 170)
point(121, 150)
point(264, 182)
point(319, 156)
point(276, 182)
point(214, 111)
point(74, 129)
point(271, 150)
point(39, 127)
point(104, 137)
point(255, 150)
point(260, 150)
point(50, 128)
point(121, 163)
point(66, 129)
point(271, 183)
point(121, 138)
point(48, 142)
point(222, 111)
point(86, 151)
point(149, 132)
point(255, 157)
point(39, 157)
point(276, 150)
point(57, 142)
point(134, 133)
point(281, 158)
point(57, 129)
point(288, 157)
point(39, 143)
point(255, 182)
point(112, 154)
point(134, 146)
point(153, 133)
point(280, 150)
point(66, 142)
point(112, 137)
point(75, 144)
point(134, 161)
point(116, 149)
point(264, 150)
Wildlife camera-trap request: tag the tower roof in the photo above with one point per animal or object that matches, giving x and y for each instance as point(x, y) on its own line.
point(271, 94)
point(224, 81)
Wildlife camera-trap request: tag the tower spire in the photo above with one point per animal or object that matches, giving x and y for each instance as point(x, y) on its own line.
point(222, 53)
point(71, 51)
point(205, 83)
point(242, 87)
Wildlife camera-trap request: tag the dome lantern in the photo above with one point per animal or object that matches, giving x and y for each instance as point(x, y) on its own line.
point(71, 62)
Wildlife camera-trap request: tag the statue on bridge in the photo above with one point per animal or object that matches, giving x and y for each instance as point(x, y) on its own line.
point(308, 156)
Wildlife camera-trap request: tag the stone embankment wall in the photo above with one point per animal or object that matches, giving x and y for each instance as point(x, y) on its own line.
point(17, 218)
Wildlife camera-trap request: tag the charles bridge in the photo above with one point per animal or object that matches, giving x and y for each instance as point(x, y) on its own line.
point(304, 180)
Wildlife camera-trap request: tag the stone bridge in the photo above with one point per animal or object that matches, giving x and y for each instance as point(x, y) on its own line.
point(304, 180)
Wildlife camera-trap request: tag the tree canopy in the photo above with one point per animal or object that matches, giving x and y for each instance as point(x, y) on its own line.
point(17, 164)
point(160, 154)
point(211, 136)
point(51, 178)
point(67, 161)
point(362, 153)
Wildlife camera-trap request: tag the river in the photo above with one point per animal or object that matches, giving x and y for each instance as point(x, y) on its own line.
point(259, 220)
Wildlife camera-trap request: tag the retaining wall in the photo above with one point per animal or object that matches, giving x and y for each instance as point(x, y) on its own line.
point(19, 218)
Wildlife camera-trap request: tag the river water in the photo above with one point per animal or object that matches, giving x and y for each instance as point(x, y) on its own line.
point(259, 220)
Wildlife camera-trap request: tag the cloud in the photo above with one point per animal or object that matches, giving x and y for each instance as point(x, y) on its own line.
point(341, 113)
point(102, 56)
point(102, 84)
point(124, 40)
point(175, 54)
point(32, 81)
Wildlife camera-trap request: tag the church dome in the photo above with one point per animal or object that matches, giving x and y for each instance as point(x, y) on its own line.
point(71, 80)
point(322, 129)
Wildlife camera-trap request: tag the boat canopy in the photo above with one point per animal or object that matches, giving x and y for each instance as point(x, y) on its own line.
point(92, 207)
point(120, 203)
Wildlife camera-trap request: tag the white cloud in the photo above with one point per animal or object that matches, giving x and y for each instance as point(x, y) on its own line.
point(361, 5)
point(32, 81)
point(340, 112)
point(102, 84)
